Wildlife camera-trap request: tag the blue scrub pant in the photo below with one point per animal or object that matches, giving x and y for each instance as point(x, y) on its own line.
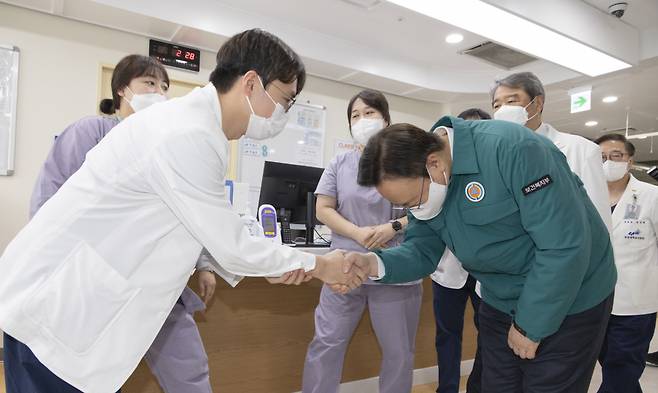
point(24, 373)
point(449, 307)
point(624, 352)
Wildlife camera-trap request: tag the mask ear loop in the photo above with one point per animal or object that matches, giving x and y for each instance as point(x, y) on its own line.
point(445, 132)
point(429, 174)
point(265, 90)
point(131, 92)
point(251, 108)
point(249, 101)
point(428, 169)
point(526, 109)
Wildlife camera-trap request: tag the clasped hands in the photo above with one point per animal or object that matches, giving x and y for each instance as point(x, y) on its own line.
point(342, 271)
point(373, 238)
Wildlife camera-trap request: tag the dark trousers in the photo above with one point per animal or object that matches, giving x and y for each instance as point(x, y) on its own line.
point(624, 352)
point(24, 373)
point(449, 307)
point(564, 362)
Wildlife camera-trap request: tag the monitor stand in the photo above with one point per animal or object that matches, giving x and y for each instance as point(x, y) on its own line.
point(310, 222)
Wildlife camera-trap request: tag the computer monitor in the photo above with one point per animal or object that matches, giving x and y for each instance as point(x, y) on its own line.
point(290, 189)
point(653, 172)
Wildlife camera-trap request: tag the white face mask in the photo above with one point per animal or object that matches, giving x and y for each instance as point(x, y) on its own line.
point(263, 128)
point(435, 198)
point(614, 170)
point(515, 114)
point(143, 101)
point(364, 129)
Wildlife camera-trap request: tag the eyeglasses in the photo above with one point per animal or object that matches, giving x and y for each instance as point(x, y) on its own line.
point(615, 155)
point(289, 101)
point(420, 199)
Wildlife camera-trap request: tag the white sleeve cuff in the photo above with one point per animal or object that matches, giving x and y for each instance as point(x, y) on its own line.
point(381, 269)
point(308, 263)
point(204, 263)
point(231, 279)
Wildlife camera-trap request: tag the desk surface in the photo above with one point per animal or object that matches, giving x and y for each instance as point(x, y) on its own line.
point(314, 250)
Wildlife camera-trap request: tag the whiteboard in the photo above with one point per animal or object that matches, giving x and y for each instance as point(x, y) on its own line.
point(300, 143)
point(8, 101)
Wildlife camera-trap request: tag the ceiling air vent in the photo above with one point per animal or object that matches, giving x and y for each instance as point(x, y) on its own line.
point(498, 55)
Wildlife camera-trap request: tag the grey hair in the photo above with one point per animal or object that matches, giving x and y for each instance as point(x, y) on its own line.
point(521, 80)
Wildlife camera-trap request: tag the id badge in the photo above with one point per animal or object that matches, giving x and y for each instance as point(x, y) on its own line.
point(632, 212)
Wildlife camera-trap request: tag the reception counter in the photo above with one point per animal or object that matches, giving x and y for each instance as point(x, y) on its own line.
point(256, 337)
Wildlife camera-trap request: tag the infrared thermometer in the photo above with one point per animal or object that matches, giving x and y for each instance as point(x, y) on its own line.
point(267, 218)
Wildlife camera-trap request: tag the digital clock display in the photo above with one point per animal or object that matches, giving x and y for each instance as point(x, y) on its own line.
point(173, 55)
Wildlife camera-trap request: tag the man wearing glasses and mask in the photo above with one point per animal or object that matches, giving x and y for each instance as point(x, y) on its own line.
point(634, 206)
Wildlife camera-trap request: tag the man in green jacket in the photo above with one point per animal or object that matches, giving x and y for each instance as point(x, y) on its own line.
point(505, 202)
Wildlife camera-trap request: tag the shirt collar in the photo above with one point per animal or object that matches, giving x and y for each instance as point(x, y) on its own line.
point(546, 131)
point(462, 147)
point(210, 92)
point(451, 138)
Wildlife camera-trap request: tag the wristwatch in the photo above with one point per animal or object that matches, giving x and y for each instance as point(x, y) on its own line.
point(397, 225)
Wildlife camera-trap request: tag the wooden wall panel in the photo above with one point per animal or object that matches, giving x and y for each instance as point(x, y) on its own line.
point(256, 337)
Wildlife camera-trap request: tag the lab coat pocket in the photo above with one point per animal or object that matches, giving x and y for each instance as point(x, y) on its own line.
point(640, 280)
point(78, 303)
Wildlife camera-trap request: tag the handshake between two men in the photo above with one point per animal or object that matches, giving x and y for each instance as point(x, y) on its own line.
point(342, 271)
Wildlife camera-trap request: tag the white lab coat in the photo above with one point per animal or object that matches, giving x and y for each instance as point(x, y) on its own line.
point(635, 244)
point(449, 272)
point(89, 281)
point(584, 158)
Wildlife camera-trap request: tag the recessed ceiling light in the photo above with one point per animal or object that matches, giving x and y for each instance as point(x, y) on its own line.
point(610, 99)
point(591, 123)
point(300, 142)
point(485, 20)
point(454, 38)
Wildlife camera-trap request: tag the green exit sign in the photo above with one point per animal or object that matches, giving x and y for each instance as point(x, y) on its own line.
point(581, 99)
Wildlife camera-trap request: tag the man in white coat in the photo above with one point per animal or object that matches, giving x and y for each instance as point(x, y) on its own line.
point(78, 297)
point(519, 98)
point(634, 206)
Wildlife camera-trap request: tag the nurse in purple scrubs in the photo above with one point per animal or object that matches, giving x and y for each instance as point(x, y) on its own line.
point(360, 220)
point(177, 357)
